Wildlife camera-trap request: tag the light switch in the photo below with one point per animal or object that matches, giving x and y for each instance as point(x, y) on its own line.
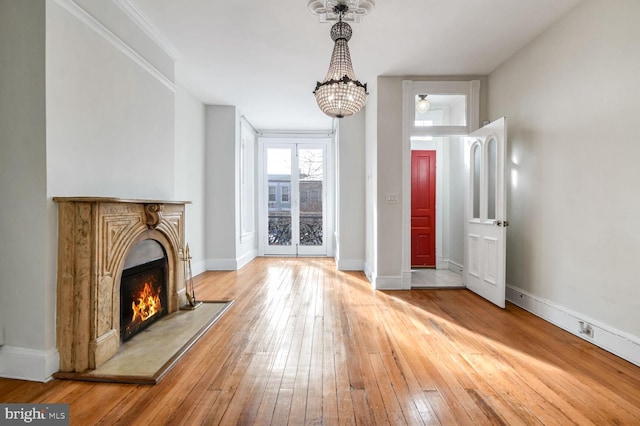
point(392, 197)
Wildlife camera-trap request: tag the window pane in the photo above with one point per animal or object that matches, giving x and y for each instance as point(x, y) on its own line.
point(311, 164)
point(492, 164)
point(440, 110)
point(476, 165)
point(279, 176)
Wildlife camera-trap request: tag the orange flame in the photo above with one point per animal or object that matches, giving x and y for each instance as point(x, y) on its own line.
point(148, 304)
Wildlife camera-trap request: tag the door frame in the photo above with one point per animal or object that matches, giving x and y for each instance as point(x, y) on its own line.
point(471, 89)
point(326, 139)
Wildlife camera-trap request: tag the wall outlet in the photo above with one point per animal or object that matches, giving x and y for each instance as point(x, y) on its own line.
point(585, 328)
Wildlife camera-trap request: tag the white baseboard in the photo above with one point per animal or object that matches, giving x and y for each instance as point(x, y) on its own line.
point(619, 343)
point(455, 267)
point(246, 258)
point(369, 272)
point(230, 264)
point(28, 364)
point(442, 263)
point(406, 280)
point(350, 265)
point(198, 267)
point(221, 264)
point(388, 283)
point(450, 265)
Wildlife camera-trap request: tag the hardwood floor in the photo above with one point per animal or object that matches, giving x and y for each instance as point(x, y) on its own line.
point(304, 344)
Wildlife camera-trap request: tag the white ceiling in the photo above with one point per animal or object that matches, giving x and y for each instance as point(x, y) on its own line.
point(265, 56)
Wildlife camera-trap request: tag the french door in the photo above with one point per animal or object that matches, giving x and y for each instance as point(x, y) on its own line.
point(485, 212)
point(294, 195)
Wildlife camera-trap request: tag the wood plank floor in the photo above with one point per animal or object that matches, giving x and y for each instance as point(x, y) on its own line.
point(304, 344)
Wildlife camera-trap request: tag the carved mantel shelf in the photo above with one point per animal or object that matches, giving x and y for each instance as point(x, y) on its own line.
point(114, 200)
point(95, 235)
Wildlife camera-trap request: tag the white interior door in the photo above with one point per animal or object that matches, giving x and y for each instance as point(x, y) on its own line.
point(295, 194)
point(485, 212)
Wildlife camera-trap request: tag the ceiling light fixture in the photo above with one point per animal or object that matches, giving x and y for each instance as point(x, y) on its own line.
point(422, 105)
point(340, 94)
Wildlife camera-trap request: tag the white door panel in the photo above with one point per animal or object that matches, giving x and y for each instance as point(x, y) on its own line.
point(485, 211)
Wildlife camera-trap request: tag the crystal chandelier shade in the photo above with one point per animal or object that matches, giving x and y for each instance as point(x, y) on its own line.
point(340, 94)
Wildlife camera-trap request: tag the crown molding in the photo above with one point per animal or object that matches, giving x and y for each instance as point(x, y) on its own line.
point(86, 18)
point(145, 24)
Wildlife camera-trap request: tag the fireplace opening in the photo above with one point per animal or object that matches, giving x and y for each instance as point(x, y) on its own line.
point(143, 288)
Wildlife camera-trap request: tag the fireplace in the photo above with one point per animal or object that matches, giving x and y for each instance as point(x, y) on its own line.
point(99, 242)
point(143, 288)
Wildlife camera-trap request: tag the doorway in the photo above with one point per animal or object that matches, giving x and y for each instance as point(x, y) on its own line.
point(451, 113)
point(294, 191)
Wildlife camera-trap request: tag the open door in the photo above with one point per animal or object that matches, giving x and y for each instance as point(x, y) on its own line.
point(485, 212)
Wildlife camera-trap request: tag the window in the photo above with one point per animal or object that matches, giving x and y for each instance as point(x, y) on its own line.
point(476, 153)
point(285, 194)
point(441, 108)
point(492, 170)
point(272, 193)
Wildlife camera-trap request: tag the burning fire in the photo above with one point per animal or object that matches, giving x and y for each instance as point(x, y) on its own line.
point(148, 304)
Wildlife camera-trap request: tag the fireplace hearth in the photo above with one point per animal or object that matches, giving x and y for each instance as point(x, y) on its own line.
point(98, 241)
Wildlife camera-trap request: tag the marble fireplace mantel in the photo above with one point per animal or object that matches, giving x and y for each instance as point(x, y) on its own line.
point(95, 235)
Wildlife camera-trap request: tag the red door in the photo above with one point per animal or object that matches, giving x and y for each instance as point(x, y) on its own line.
point(423, 208)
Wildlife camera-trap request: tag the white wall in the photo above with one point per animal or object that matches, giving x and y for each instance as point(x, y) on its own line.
point(190, 172)
point(111, 14)
point(26, 286)
point(455, 217)
point(110, 124)
point(220, 222)
point(371, 179)
point(95, 117)
point(350, 193)
point(571, 101)
point(389, 180)
point(455, 208)
point(225, 248)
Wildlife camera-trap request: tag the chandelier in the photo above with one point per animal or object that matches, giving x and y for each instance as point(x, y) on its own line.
point(340, 94)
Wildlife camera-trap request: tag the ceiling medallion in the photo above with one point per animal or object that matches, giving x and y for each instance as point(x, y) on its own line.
point(325, 9)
